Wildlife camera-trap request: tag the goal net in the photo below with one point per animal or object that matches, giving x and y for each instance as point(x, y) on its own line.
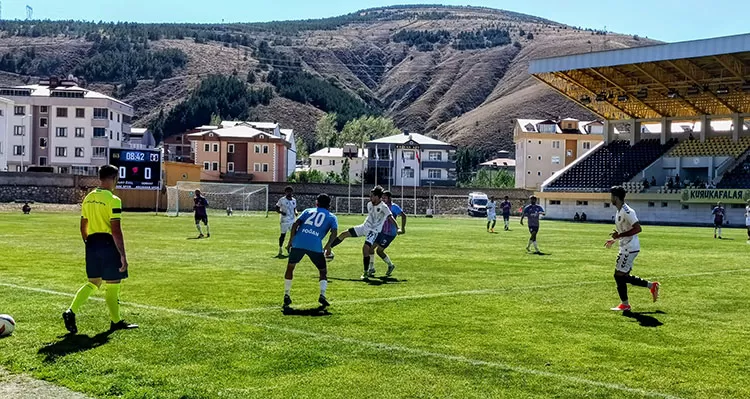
point(450, 204)
point(223, 198)
point(354, 205)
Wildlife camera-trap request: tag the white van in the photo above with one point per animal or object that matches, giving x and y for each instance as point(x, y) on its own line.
point(477, 204)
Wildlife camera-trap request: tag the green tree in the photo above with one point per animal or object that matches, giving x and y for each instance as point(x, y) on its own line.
point(345, 171)
point(215, 120)
point(491, 178)
point(302, 153)
point(325, 131)
point(366, 128)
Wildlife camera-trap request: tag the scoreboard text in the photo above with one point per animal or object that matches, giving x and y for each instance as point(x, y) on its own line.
point(138, 169)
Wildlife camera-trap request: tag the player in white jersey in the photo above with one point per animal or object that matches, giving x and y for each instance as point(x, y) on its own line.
point(491, 214)
point(286, 207)
point(627, 228)
point(747, 220)
point(377, 213)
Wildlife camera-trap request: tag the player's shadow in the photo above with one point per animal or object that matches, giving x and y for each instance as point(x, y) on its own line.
point(644, 318)
point(312, 312)
point(540, 253)
point(72, 343)
point(281, 257)
point(371, 281)
point(194, 238)
point(726, 239)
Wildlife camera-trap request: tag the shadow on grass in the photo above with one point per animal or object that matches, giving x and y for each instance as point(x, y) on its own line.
point(71, 343)
point(644, 319)
point(281, 257)
point(312, 312)
point(540, 253)
point(371, 281)
point(194, 238)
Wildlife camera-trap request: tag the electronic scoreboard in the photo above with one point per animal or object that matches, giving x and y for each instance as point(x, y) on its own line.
point(139, 169)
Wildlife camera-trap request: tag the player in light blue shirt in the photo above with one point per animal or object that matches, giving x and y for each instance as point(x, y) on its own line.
point(307, 237)
point(532, 211)
point(388, 234)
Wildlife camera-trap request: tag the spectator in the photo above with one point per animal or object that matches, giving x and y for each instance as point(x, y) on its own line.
point(26, 208)
point(677, 180)
point(583, 216)
point(670, 183)
point(653, 181)
point(645, 183)
point(577, 217)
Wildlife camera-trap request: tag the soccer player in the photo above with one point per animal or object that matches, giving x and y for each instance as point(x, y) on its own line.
point(506, 206)
point(306, 238)
point(377, 213)
point(286, 207)
point(532, 211)
point(199, 206)
point(719, 215)
point(387, 235)
point(747, 220)
point(105, 250)
point(491, 214)
point(627, 228)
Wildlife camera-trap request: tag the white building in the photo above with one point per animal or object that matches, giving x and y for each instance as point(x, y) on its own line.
point(412, 160)
point(6, 110)
point(59, 124)
point(332, 160)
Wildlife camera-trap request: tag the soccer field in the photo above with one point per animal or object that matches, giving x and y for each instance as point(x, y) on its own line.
point(467, 315)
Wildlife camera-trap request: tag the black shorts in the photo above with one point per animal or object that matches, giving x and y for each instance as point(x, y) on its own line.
point(103, 258)
point(506, 217)
point(317, 258)
point(533, 230)
point(718, 223)
point(384, 240)
point(203, 218)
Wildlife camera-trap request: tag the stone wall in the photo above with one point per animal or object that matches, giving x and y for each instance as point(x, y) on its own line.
point(44, 187)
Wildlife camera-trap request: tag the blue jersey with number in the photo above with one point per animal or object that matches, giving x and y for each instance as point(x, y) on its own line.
point(315, 223)
point(388, 227)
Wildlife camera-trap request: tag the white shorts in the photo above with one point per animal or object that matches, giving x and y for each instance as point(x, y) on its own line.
point(364, 231)
point(625, 260)
point(286, 227)
point(491, 217)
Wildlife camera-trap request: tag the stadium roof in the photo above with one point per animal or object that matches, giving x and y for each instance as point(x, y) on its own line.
point(687, 79)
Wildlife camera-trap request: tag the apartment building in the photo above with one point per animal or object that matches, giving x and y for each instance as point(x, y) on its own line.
point(412, 160)
point(240, 153)
point(543, 147)
point(330, 160)
point(59, 124)
point(6, 109)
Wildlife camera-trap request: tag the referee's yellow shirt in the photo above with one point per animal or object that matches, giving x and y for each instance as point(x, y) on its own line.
point(99, 208)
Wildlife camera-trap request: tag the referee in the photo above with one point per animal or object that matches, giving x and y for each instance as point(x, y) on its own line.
point(105, 250)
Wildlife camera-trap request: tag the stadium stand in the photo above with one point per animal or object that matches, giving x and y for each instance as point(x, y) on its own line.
point(739, 177)
point(713, 146)
point(611, 165)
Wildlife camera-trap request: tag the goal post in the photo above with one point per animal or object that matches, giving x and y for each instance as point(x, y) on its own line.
point(240, 199)
point(450, 204)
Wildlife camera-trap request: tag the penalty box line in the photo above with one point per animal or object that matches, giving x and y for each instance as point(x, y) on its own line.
point(380, 346)
point(488, 291)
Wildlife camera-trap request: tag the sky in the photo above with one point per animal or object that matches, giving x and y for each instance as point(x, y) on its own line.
point(666, 20)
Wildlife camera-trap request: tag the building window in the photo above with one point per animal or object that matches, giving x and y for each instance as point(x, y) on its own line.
point(42, 161)
point(214, 166)
point(332, 162)
point(685, 207)
point(79, 152)
point(118, 117)
point(664, 204)
point(43, 122)
point(569, 153)
point(61, 151)
point(555, 160)
point(61, 132)
point(529, 156)
point(407, 173)
point(556, 144)
point(265, 149)
point(80, 113)
point(230, 166)
point(43, 142)
point(216, 148)
point(100, 133)
point(554, 202)
point(62, 112)
point(586, 145)
point(434, 174)
point(547, 128)
point(19, 110)
point(528, 173)
point(539, 158)
point(43, 109)
point(257, 149)
point(538, 173)
point(80, 132)
point(118, 136)
point(206, 166)
point(319, 162)
point(256, 167)
point(230, 148)
point(582, 203)
point(435, 156)
point(651, 204)
point(100, 113)
point(99, 152)
point(18, 130)
point(63, 170)
point(409, 155)
point(540, 142)
point(111, 115)
point(206, 147)
point(607, 204)
point(265, 167)
point(19, 149)
point(111, 136)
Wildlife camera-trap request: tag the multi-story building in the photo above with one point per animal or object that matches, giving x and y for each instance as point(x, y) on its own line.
point(59, 124)
point(330, 160)
point(544, 147)
point(275, 129)
point(412, 160)
point(6, 109)
point(240, 153)
point(139, 138)
point(178, 148)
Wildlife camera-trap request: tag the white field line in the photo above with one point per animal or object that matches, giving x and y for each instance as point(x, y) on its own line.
point(386, 347)
point(489, 291)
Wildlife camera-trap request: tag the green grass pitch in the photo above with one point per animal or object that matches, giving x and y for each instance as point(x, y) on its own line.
point(471, 315)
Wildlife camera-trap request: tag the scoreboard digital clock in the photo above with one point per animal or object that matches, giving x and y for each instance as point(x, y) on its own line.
point(139, 169)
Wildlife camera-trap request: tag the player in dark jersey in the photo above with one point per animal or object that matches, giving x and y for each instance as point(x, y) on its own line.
point(505, 206)
point(719, 215)
point(532, 211)
point(306, 238)
point(199, 206)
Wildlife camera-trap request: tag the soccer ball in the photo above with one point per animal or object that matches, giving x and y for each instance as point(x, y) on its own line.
point(7, 325)
point(329, 256)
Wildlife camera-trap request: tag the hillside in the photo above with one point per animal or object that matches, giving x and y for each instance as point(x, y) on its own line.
point(458, 73)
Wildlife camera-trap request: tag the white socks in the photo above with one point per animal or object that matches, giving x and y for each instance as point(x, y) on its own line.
point(372, 262)
point(198, 226)
point(536, 246)
point(287, 287)
point(719, 231)
point(323, 286)
point(387, 261)
point(207, 231)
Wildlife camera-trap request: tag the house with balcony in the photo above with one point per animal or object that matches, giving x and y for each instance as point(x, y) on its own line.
point(411, 159)
point(59, 124)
